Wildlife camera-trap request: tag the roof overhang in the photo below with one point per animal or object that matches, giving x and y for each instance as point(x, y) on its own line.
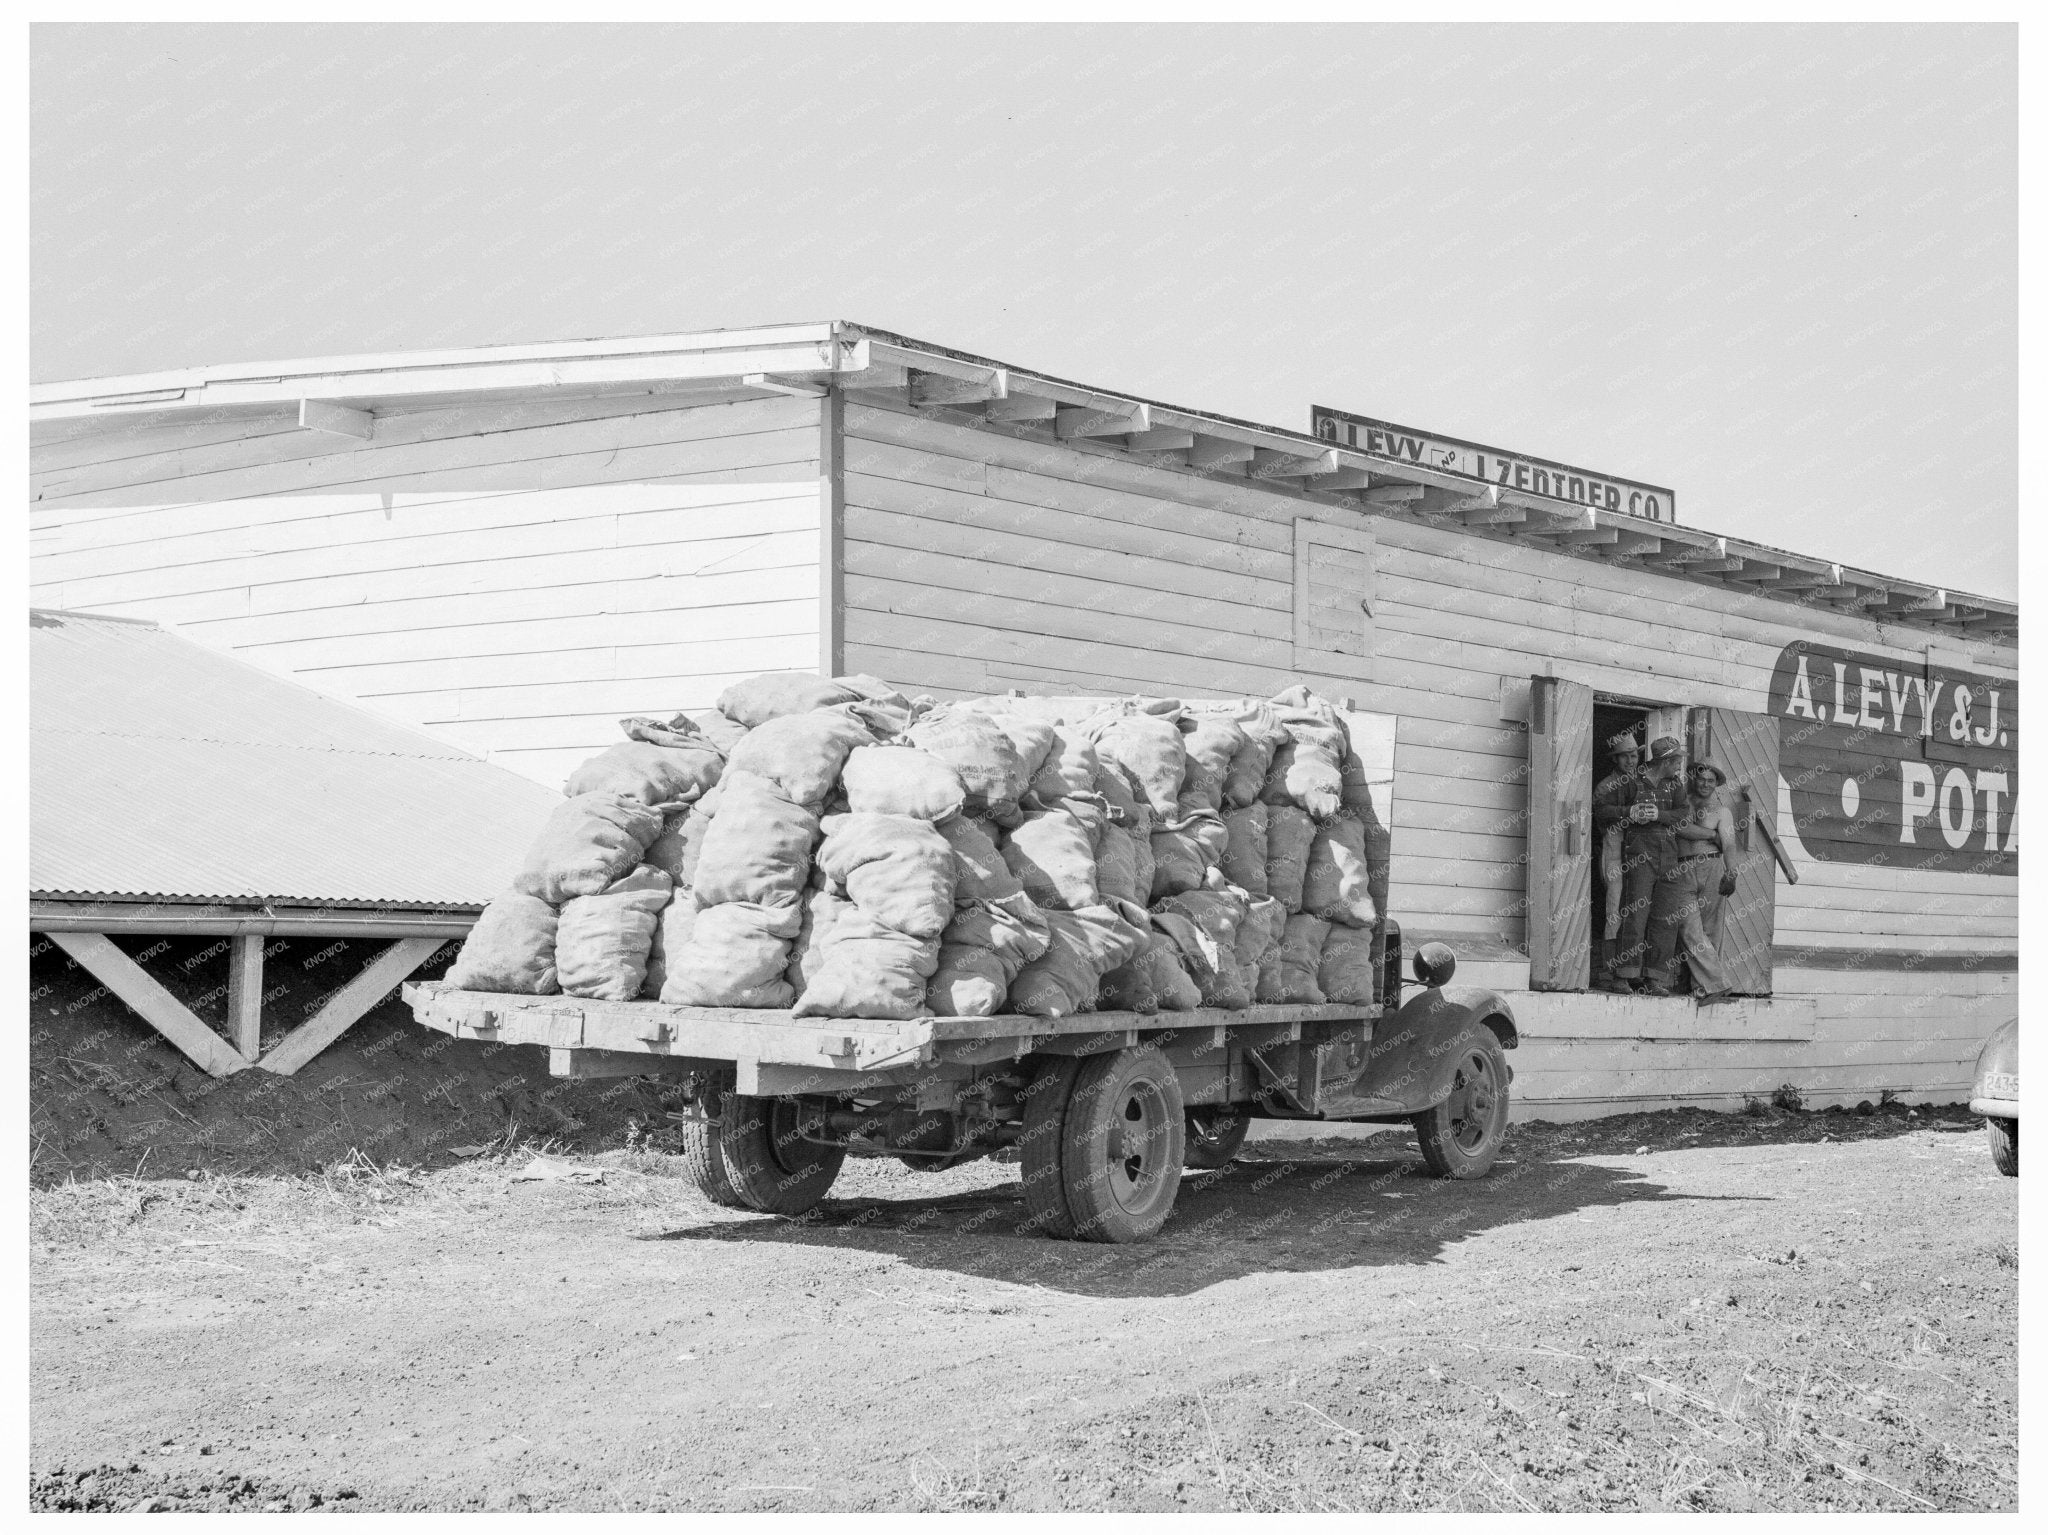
point(345, 395)
point(91, 914)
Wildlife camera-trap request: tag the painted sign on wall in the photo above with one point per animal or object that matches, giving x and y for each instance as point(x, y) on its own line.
point(1495, 466)
point(1901, 763)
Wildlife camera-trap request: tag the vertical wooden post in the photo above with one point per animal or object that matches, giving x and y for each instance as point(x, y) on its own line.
point(832, 533)
point(245, 993)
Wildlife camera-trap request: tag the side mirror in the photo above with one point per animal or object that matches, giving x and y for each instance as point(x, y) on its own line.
point(1435, 964)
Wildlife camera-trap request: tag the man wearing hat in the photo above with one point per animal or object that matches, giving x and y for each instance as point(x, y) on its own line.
point(1647, 805)
point(1612, 796)
point(1685, 907)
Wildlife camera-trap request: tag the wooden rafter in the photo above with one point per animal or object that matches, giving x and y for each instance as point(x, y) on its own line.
point(112, 968)
point(347, 1005)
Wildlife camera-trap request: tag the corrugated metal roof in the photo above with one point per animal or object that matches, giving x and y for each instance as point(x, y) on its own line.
point(158, 767)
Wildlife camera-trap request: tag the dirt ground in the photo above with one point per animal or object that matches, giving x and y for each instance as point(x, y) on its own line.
point(1679, 1310)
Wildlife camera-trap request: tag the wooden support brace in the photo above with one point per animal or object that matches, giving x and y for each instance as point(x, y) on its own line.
point(113, 969)
point(348, 1004)
point(590, 1064)
point(944, 389)
point(783, 383)
point(1635, 543)
point(1218, 452)
point(1160, 440)
point(1022, 407)
point(342, 420)
point(1391, 495)
point(245, 993)
point(1269, 465)
point(1101, 423)
point(1344, 478)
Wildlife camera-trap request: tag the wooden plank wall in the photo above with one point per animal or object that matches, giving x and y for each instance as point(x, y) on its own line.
point(512, 578)
point(978, 560)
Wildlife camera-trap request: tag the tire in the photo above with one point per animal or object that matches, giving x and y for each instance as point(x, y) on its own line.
point(1040, 1147)
point(2004, 1135)
point(1215, 1135)
point(1124, 1146)
point(747, 1154)
point(1461, 1136)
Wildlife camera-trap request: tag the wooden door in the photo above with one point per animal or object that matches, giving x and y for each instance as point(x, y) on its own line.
point(1560, 846)
point(1746, 748)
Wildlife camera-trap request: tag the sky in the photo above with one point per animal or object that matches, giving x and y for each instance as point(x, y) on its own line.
point(1773, 268)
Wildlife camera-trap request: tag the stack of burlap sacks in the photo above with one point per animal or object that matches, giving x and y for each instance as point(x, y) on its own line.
point(835, 848)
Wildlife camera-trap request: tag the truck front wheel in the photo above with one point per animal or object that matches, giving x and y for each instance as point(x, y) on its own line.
point(1215, 1136)
point(1461, 1136)
point(750, 1153)
point(2004, 1135)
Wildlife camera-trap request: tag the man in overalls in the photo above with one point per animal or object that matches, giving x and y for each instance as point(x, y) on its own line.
point(1648, 849)
point(1685, 905)
point(1612, 796)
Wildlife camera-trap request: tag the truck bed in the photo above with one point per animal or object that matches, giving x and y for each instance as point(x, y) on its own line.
point(775, 1052)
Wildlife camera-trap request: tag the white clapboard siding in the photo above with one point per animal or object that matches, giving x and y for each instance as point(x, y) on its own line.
point(982, 559)
point(513, 577)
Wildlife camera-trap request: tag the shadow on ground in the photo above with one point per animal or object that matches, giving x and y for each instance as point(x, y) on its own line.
point(1334, 1206)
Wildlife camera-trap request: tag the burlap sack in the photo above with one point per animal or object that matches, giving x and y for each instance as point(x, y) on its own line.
point(1069, 765)
point(676, 851)
point(721, 732)
point(1337, 887)
point(1290, 976)
point(801, 754)
point(735, 957)
point(1144, 868)
point(870, 970)
point(1147, 747)
point(887, 705)
point(900, 779)
point(1258, 939)
point(602, 942)
point(1184, 849)
point(671, 932)
point(822, 912)
point(757, 847)
point(1290, 837)
point(511, 949)
point(1116, 867)
point(1085, 946)
point(1032, 738)
point(1153, 981)
point(983, 948)
point(1345, 973)
point(1245, 850)
point(773, 695)
point(976, 747)
point(657, 775)
point(895, 868)
point(1052, 852)
point(980, 873)
point(588, 842)
point(1309, 770)
point(1218, 914)
point(1212, 744)
point(1263, 735)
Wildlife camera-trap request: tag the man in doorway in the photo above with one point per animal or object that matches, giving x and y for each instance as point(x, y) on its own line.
point(1612, 797)
point(1685, 905)
point(1648, 849)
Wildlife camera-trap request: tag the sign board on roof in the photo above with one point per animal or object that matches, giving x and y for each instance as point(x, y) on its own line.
point(1404, 445)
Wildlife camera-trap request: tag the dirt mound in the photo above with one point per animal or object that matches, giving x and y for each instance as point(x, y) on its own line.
point(109, 1095)
point(131, 1489)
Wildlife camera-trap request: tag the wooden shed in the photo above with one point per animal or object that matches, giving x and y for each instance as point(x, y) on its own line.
point(512, 547)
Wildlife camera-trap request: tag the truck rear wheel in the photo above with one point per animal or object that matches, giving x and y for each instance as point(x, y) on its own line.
point(749, 1154)
point(1215, 1136)
point(1040, 1148)
point(1461, 1136)
point(1125, 1142)
point(2004, 1135)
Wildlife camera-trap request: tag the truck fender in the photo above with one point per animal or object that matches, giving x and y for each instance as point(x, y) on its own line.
point(1412, 1053)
